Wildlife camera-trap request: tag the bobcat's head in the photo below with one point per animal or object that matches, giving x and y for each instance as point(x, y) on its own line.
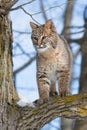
point(42, 36)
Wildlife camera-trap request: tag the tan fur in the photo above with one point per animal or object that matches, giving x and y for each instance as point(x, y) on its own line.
point(54, 60)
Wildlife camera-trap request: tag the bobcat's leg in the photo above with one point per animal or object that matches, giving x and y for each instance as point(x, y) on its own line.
point(64, 80)
point(44, 88)
point(53, 89)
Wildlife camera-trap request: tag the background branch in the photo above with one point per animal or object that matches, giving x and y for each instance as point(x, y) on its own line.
point(43, 10)
point(25, 65)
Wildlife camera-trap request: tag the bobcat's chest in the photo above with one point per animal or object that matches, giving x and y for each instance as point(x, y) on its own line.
point(48, 63)
point(52, 72)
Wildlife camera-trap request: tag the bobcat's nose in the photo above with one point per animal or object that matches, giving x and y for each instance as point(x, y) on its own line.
point(40, 40)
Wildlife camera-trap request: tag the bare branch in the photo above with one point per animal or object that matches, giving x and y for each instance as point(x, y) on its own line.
point(29, 15)
point(76, 32)
point(78, 41)
point(25, 65)
point(43, 10)
point(74, 27)
point(22, 50)
point(77, 53)
point(53, 7)
point(21, 32)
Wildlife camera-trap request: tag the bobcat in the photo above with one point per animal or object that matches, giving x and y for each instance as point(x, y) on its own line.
point(54, 60)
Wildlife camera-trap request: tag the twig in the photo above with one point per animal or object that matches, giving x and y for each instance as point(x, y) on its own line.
point(29, 15)
point(22, 50)
point(25, 65)
point(18, 7)
point(85, 30)
point(77, 53)
point(16, 31)
point(57, 6)
point(43, 10)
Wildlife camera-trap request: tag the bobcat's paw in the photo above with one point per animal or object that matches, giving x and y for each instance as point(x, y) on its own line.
point(40, 101)
point(64, 93)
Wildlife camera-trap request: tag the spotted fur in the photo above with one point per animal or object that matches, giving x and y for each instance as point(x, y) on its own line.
point(54, 60)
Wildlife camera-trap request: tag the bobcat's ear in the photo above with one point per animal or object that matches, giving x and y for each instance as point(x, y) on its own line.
point(33, 25)
point(49, 25)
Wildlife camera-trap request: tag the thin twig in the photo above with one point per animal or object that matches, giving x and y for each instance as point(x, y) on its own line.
point(20, 32)
point(18, 7)
point(29, 15)
point(42, 10)
point(77, 53)
point(57, 6)
point(25, 65)
point(22, 50)
point(82, 31)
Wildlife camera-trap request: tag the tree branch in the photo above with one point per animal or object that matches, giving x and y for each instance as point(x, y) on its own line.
point(68, 18)
point(50, 8)
point(29, 15)
point(43, 10)
point(25, 65)
point(71, 107)
point(22, 32)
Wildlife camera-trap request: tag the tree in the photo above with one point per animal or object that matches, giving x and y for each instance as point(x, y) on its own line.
point(80, 125)
point(67, 123)
point(14, 117)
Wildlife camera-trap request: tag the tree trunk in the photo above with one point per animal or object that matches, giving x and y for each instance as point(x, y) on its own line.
point(8, 93)
point(82, 125)
point(66, 124)
point(68, 18)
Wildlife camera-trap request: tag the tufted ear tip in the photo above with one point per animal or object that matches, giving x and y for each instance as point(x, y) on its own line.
point(33, 25)
point(50, 25)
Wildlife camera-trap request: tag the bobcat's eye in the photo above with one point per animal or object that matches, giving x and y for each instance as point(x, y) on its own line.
point(43, 37)
point(36, 38)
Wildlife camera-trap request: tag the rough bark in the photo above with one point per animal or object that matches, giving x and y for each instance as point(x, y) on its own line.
point(70, 107)
point(8, 93)
point(29, 118)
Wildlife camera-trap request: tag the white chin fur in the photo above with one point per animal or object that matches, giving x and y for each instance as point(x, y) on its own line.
point(43, 49)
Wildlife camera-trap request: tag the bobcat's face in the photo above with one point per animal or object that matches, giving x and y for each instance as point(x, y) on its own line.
point(41, 36)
